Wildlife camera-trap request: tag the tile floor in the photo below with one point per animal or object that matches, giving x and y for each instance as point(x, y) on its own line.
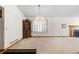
point(50, 45)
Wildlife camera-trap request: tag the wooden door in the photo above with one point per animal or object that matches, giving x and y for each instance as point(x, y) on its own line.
point(0, 13)
point(26, 28)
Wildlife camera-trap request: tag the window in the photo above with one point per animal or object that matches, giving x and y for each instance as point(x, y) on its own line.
point(39, 26)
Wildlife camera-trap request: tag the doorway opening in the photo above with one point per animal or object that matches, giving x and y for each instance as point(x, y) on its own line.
point(1, 27)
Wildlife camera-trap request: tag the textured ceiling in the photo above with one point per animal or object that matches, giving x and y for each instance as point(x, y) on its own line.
point(50, 10)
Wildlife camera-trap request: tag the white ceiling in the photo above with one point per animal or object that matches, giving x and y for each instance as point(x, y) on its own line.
point(50, 10)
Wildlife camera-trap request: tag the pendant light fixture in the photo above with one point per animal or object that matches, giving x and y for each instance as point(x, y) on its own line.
point(39, 17)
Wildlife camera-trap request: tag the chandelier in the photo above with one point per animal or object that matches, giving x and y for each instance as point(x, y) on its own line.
point(39, 17)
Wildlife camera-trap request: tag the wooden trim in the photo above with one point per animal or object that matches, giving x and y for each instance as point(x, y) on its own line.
point(1, 50)
point(50, 36)
point(73, 25)
point(10, 45)
point(14, 43)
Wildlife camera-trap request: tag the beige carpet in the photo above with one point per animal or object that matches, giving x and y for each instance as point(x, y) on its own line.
point(50, 45)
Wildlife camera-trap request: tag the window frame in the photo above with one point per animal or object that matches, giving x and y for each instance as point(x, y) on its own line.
point(42, 28)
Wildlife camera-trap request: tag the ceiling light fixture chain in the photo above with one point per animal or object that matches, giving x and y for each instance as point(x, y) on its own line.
point(39, 17)
point(39, 9)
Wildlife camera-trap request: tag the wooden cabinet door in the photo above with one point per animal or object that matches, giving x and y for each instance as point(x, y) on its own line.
point(26, 28)
point(0, 13)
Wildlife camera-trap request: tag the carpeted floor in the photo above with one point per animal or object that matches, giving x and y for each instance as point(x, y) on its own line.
point(50, 45)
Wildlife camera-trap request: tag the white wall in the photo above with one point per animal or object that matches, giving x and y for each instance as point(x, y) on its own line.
point(13, 24)
point(56, 15)
point(54, 26)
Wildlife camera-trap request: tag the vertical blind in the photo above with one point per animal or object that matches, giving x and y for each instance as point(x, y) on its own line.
point(39, 26)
